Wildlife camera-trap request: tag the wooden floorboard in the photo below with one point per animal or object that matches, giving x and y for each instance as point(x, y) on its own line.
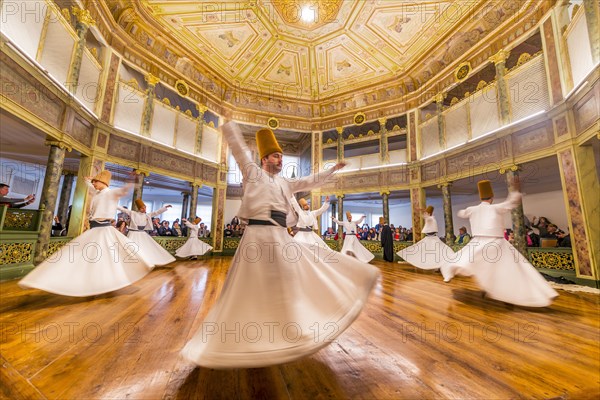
point(417, 338)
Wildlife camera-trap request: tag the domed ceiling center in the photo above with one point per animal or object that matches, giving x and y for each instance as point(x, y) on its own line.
point(305, 14)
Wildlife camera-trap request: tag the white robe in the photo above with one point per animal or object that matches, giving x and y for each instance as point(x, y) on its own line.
point(281, 300)
point(308, 219)
point(499, 269)
point(352, 245)
point(100, 260)
point(193, 246)
point(139, 223)
point(429, 252)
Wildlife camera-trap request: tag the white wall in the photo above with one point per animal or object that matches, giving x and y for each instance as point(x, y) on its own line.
point(231, 208)
point(9, 169)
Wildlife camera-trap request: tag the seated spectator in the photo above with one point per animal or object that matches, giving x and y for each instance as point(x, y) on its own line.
point(165, 230)
point(237, 231)
point(13, 203)
point(463, 237)
point(542, 225)
point(533, 238)
point(202, 231)
point(155, 227)
point(397, 234)
point(409, 235)
point(228, 232)
point(57, 227)
point(551, 232)
point(564, 239)
point(177, 229)
point(372, 235)
point(329, 234)
point(122, 227)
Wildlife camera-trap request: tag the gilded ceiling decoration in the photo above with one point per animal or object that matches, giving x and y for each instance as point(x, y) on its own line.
point(309, 49)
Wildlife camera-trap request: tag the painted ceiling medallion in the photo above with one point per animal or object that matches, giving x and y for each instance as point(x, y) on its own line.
point(273, 123)
point(462, 71)
point(359, 118)
point(307, 14)
point(182, 87)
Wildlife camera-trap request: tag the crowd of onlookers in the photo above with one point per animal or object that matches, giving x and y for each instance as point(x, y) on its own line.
point(366, 232)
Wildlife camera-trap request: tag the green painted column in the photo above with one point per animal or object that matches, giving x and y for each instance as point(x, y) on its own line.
point(199, 128)
point(340, 217)
point(517, 215)
point(84, 21)
point(185, 205)
point(88, 166)
point(384, 154)
point(138, 187)
point(65, 197)
point(499, 60)
point(48, 200)
point(149, 105)
point(448, 220)
point(385, 196)
point(194, 201)
point(340, 143)
point(439, 103)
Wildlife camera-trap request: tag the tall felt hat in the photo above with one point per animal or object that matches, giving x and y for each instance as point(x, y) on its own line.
point(485, 190)
point(197, 220)
point(266, 143)
point(139, 204)
point(302, 202)
point(429, 210)
point(348, 214)
point(104, 177)
point(381, 221)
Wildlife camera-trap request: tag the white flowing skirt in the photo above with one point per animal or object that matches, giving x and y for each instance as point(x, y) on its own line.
point(354, 248)
point(98, 261)
point(428, 253)
point(501, 271)
point(193, 247)
point(310, 239)
point(151, 250)
point(281, 301)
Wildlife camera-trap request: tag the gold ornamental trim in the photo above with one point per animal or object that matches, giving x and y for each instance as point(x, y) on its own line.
point(462, 71)
point(151, 79)
point(273, 123)
point(182, 87)
point(359, 118)
point(499, 57)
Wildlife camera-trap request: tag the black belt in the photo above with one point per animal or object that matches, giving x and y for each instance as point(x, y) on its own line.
point(307, 229)
point(99, 224)
point(431, 234)
point(277, 216)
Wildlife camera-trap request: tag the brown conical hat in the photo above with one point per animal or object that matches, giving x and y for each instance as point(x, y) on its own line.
point(139, 204)
point(485, 190)
point(267, 143)
point(429, 210)
point(381, 221)
point(302, 202)
point(104, 177)
point(197, 220)
point(348, 214)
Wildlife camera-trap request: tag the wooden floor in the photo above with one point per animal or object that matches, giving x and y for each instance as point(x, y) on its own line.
point(418, 338)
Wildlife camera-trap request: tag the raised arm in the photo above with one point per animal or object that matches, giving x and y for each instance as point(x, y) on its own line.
point(466, 213)
point(188, 224)
point(334, 219)
point(295, 205)
point(122, 191)
point(511, 201)
point(159, 211)
point(321, 210)
point(234, 138)
point(125, 210)
point(360, 220)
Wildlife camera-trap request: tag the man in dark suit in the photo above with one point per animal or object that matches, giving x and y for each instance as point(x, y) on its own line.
point(387, 240)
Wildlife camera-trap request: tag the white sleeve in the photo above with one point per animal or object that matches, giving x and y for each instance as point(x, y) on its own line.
point(234, 138)
point(321, 210)
point(511, 202)
point(295, 205)
point(158, 212)
point(125, 210)
point(310, 182)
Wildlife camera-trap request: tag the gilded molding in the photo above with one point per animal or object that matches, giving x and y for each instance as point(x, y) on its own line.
point(500, 56)
point(151, 79)
point(60, 144)
point(83, 16)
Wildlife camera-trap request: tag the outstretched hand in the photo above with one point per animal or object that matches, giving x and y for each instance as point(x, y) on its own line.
point(327, 198)
point(338, 166)
point(168, 206)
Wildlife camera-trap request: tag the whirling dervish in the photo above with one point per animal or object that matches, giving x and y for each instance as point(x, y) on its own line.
point(276, 285)
point(99, 260)
point(193, 247)
point(139, 223)
point(501, 271)
point(429, 252)
point(352, 245)
point(307, 222)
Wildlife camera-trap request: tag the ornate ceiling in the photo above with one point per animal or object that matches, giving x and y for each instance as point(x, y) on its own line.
point(271, 47)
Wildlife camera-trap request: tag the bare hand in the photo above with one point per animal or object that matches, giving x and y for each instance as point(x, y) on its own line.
point(338, 166)
point(168, 206)
point(327, 198)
